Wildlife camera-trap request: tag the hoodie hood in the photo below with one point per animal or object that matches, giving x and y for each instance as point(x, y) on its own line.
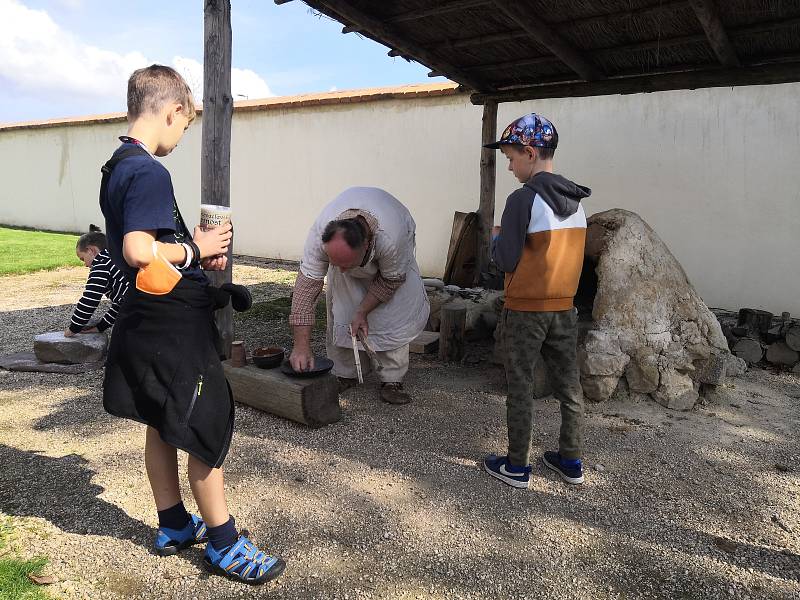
point(561, 194)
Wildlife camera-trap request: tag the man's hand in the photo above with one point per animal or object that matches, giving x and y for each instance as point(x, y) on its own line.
point(213, 242)
point(214, 263)
point(359, 323)
point(301, 358)
point(68, 333)
point(90, 330)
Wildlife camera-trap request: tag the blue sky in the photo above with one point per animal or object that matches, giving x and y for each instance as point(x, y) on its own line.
point(63, 58)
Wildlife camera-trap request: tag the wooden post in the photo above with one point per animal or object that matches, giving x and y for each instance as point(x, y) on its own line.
point(488, 176)
point(757, 322)
point(215, 171)
point(451, 332)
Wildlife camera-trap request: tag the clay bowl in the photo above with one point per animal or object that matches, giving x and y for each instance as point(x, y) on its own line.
point(268, 357)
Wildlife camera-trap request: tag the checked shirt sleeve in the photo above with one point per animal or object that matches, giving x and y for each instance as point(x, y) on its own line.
point(304, 298)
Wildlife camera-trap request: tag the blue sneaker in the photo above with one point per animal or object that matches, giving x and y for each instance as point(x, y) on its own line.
point(570, 471)
point(243, 562)
point(499, 467)
point(171, 541)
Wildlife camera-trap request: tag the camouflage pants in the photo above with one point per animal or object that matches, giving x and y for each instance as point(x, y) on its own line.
point(526, 335)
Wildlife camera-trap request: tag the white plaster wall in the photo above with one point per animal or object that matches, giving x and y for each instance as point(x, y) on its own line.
point(715, 173)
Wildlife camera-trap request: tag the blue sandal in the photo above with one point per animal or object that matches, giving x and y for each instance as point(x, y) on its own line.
point(171, 541)
point(244, 562)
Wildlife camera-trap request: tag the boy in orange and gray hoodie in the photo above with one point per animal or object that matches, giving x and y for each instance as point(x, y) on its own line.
point(539, 246)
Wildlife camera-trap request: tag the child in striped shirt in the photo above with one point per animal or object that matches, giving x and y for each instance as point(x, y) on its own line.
point(104, 279)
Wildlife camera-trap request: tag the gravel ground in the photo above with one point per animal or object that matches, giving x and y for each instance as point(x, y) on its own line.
point(390, 502)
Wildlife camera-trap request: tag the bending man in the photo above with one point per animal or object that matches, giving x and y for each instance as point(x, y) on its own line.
point(364, 241)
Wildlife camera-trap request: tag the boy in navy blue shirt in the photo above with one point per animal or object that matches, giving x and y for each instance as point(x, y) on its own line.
point(163, 368)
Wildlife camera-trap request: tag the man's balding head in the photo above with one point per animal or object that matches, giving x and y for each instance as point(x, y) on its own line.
point(346, 242)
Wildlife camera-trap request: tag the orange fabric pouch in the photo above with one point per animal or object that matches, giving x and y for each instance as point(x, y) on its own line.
point(159, 277)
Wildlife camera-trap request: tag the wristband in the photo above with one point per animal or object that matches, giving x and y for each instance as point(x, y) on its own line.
point(189, 256)
point(195, 251)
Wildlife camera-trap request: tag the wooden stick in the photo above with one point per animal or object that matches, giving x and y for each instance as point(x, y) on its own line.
point(372, 354)
point(356, 357)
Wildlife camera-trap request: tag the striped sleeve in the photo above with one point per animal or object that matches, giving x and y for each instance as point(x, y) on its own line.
point(96, 286)
point(118, 288)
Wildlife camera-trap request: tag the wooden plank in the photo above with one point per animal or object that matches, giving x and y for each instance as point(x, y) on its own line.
point(313, 401)
point(461, 255)
point(546, 35)
point(486, 203)
point(451, 332)
point(426, 342)
point(215, 173)
point(386, 35)
point(718, 39)
point(763, 74)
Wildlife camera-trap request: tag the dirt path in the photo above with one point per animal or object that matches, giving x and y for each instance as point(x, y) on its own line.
point(390, 503)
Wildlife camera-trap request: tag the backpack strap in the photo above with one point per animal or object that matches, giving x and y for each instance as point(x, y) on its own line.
point(106, 169)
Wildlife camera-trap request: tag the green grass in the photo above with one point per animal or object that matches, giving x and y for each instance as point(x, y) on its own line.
point(14, 582)
point(279, 309)
point(24, 251)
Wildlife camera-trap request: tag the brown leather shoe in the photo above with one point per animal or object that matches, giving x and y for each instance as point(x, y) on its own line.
point(345, 383)
point(393, 393)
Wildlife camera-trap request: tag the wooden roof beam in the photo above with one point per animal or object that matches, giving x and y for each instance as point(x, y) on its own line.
point(611, 51)
point(414, 15)
point(718, 38)
point(762, 74)
point(493, 38)
point(644, 11)
point(519, 13)
point(396, 41)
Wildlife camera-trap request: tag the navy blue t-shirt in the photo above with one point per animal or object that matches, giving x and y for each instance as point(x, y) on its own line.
point(141, 198)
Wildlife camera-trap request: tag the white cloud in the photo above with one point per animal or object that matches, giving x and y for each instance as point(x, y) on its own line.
point(244, 82)
point(38, 56)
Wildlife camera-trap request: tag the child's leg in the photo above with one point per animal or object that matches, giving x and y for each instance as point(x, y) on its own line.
point(523, 333)
point(208, 487)
point(161, 461)
point(560, 355)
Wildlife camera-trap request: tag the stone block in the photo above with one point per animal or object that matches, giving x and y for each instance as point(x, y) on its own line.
point(711, 370)
point(602, 364)
point(676, 391)
point(55, 347)
point(27, 361)
point(781, 354)
point(599, 388)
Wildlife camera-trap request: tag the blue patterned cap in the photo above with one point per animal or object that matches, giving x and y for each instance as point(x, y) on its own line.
point(530, 130)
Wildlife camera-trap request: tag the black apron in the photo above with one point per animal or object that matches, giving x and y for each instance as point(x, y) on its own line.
point(163, 369)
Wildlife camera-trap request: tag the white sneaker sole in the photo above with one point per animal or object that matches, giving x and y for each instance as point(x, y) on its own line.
point(564, 476)
point(512, 482)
